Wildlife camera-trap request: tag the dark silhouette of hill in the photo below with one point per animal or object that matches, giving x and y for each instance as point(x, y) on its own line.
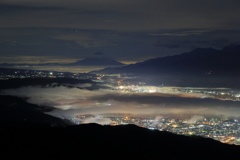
point(16, 111)
point(202, 67)
point(92, 141)
point(197, 62)
point(96, 62)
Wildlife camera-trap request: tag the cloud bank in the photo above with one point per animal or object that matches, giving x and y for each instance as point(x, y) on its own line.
point(70, 102)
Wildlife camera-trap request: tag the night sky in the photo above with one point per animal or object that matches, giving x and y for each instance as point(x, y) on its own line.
point(33, 31)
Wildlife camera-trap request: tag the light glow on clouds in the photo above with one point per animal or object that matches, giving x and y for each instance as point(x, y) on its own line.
point(57, 68)
point(70, 102)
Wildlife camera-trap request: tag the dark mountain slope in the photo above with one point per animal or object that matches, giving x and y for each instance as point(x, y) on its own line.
point(95, 62)
point(197, 62)
point(16, 111)
point(92, 141)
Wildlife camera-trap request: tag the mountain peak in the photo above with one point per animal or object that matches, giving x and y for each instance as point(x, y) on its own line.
point(96, 62)
point(196, 62)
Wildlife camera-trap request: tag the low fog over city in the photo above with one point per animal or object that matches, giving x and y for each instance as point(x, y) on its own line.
point(147, 102)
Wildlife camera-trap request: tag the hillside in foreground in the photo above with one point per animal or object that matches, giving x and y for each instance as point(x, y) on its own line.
point(92, 141)
point(27, 133)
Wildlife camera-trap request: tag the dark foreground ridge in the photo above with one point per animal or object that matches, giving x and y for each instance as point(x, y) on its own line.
point(15, 111)
point(90, 141)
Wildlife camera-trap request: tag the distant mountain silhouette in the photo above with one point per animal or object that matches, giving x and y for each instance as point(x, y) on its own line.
point(197, 62)
point(96, 62)
point(92, 141)
point(84, 62)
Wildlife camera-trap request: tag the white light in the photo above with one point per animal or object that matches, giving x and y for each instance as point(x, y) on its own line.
point(152, 91)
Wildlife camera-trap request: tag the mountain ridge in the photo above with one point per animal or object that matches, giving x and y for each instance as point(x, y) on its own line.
point(197, 61)
point(109, 142)
point(96, 61)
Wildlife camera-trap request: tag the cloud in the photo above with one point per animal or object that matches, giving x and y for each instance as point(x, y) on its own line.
point(73, 69)
point(126, 15)
point(195, 118)
point(84, 85)
point(196, 41)
point(99, 120)
point(156, 120)
point(35, 59)
point(85, 41)
point(181, 33)
point(70, 102)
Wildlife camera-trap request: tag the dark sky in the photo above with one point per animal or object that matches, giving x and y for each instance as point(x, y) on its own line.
point(126, 30)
